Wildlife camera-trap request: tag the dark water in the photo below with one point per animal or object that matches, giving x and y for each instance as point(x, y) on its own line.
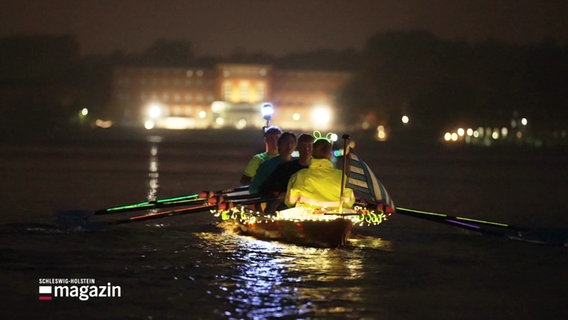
point(187, 268)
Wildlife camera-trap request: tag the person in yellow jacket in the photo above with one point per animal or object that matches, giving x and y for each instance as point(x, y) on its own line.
point(319, 185)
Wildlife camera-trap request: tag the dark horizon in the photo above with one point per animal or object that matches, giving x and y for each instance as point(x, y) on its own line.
point(277, 28)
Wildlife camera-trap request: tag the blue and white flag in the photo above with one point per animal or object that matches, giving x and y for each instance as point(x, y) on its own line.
point(361, 179)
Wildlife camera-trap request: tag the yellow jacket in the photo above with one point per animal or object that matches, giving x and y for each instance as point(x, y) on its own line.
point(318, 186)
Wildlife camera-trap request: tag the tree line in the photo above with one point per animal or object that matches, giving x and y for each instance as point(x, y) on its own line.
point(441, 83)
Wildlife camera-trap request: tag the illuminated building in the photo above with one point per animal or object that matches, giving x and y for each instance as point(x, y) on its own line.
point(228, 95)
point(170, 97)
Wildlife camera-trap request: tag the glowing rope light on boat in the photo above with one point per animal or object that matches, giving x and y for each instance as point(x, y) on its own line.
point(358, 216)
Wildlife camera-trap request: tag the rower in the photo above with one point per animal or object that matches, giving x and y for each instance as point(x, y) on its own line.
point(274, 187)
point(271, 135)
point(319, 186)
point(286, 145)
point(277, 182)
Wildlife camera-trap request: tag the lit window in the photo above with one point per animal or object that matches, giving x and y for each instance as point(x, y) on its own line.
point(261, 91)
point(227, 90)
point(244, 90)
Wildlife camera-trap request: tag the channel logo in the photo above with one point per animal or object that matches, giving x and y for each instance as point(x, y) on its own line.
point(45, 293)
point(82, 289)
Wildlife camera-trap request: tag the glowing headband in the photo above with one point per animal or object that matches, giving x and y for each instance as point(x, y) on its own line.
point(330, 136)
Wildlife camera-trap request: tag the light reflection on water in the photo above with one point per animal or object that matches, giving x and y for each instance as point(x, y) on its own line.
point(153, 174)
point(278, 280)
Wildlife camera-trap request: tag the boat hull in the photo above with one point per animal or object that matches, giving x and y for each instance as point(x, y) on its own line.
point(324, 234)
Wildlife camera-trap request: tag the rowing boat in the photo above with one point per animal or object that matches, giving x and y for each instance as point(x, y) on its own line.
point(299, 225)
point(317, 227)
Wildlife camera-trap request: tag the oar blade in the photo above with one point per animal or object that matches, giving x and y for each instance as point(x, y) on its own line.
point(76, 220)
point(556, 237)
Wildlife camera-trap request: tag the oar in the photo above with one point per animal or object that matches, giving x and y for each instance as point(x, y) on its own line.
point(174, 201)
point(168, 202)
point(210, 204)
point(71, 219)
point(543, 236)
point(163, 214)
point(468, 223)
point(81, 219)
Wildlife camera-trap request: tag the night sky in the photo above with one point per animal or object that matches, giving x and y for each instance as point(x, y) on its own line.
point(219, 27)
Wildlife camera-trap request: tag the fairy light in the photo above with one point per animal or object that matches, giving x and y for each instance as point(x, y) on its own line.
point(358, 216)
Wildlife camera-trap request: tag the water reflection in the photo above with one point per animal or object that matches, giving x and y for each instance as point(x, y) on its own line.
point(153, 173)
point(271, 279)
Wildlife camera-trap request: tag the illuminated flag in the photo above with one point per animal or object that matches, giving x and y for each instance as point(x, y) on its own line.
point(362, 180)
